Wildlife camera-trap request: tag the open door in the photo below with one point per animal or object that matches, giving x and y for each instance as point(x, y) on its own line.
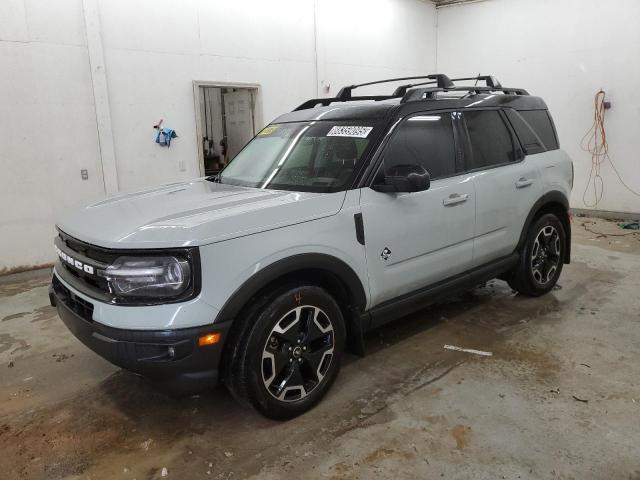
point(238, 113)
point(226, 122)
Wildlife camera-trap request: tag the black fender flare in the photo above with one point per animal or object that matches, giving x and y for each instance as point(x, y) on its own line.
point(552, 197)
point(291, 265)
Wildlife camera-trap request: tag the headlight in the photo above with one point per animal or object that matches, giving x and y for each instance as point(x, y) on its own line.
point(148, 276)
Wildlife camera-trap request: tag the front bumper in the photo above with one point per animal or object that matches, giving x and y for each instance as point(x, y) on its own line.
point(169, 357)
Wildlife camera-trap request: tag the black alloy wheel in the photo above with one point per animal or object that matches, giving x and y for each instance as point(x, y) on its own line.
point(545, 255)
point(541, 257)
point(285, 352)
point(298, 353)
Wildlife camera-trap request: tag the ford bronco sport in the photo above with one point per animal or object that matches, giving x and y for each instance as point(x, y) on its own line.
point(340, 216)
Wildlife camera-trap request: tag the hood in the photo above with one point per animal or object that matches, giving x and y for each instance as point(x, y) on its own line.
point(193, 213)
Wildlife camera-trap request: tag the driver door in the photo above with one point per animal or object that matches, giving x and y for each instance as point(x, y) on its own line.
point(413, 240)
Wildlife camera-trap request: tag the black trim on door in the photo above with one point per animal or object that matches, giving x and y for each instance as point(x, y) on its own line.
point(357, 218)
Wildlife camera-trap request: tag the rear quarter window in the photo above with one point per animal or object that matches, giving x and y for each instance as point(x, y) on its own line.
point(529, 140)
point(541, 123)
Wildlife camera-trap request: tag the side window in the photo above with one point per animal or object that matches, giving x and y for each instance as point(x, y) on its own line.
point(425, 140)
point(491, 141)
point(540, 121)
point(529, 139)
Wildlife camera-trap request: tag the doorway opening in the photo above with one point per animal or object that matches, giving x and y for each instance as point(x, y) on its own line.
point(227, 116)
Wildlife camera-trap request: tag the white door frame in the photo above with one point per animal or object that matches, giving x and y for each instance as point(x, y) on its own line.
point(255, 88)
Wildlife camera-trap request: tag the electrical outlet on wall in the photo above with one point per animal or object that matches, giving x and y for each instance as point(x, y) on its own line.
point(182, 165)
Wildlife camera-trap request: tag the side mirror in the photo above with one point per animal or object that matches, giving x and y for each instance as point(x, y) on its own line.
point(404, 179)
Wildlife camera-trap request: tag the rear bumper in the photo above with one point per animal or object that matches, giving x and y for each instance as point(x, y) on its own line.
point(169, 357)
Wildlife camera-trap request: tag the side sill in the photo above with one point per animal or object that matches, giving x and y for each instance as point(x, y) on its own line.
point(411, 302)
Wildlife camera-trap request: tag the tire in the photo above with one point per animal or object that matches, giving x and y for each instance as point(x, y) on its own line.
point(541, 258)
point(286, 353)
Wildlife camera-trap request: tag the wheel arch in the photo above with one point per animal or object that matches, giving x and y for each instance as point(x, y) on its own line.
point(332, 273)
point(554, 202)
point(323, 270)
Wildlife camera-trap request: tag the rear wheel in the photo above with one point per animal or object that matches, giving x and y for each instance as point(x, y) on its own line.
point(289, 352)
point(541, 258)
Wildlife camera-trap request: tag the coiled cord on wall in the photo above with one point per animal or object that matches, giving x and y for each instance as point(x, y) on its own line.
point(597, 146)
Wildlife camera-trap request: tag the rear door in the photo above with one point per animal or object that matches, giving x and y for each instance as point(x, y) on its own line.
point(506, 184)
point(416, 239)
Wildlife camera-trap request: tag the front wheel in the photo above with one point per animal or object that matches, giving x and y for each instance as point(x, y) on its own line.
point(542, 257)
point(290, 351)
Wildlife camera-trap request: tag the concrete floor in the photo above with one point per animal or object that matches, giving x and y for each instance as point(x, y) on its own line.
point(559, 398)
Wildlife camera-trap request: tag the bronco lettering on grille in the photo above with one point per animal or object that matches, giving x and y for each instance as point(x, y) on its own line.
point(75, 263)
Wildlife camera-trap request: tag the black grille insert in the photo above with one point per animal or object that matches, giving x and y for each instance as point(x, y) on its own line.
point(73, 302)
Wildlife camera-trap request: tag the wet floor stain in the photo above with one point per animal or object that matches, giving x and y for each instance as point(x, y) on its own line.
point(44, 313)
point(461, 434)
point(16, 288)
point(14, 345)
point(381, 454)
point(38, 315)
point(14, 316)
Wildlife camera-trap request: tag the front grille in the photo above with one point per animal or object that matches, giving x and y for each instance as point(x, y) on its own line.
point(73, 302)
point(102, 255)
point(95, 282)
point(102, 258)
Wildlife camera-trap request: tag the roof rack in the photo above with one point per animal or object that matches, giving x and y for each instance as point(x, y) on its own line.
point(442, 80)
point(344, 95)
point(402, 89)
point(429, 93)
point(489, 80)
point(408, 92)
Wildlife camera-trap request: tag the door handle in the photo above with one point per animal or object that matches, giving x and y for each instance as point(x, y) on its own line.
point(454, 199)
point(524, 182)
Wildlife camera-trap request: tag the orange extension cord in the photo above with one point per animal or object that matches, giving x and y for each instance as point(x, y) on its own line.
point(597, 146)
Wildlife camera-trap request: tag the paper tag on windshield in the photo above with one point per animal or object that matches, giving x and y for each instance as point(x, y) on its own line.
point(349, 131)
point(267, 130)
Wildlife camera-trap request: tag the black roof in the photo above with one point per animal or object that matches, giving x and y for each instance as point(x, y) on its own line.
point(411, 98)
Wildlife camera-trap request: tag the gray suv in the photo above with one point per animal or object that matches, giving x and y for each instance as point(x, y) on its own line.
point(336, 218)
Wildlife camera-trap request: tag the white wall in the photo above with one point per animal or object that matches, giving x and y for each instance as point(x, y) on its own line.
point(47, 125)
point(153, 51)
point(564, 51)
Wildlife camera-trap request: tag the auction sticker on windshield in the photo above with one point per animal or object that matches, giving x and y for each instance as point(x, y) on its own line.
point(349, 131)
point(267, 130)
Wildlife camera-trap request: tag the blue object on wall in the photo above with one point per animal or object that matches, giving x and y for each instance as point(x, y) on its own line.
point(164, 135)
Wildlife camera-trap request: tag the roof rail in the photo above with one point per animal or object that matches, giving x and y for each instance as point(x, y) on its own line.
point(425, 93)
point(408, 92)
point(328, 100)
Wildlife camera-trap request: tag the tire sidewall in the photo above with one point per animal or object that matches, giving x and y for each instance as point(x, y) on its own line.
point(265, 320)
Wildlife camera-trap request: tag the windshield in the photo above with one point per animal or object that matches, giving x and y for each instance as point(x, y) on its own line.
point(319, 156)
